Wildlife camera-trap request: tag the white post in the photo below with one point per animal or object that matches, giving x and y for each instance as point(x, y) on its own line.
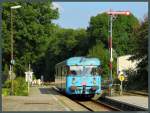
point(28, 78)
point(10, 72)
point(29, 67)
point(121, 88)
point(28, 87)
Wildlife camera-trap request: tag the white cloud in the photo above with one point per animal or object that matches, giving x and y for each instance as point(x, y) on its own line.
point(56, 5)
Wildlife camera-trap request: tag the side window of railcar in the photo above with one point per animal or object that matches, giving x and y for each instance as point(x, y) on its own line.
point(57, 73)
point(93, 72)
point(62, 71)
point(65, 70)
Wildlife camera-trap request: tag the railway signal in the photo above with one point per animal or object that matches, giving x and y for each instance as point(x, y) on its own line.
point(118, 13)
point(112, 14)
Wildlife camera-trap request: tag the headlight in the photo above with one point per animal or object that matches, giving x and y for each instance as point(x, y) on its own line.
point(73, 80)
point(94, 80)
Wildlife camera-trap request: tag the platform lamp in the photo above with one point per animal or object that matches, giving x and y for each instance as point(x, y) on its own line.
point(111, 15)
point(12, 56)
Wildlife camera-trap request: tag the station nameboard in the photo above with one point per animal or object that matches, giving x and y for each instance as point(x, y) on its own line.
point(121, 77)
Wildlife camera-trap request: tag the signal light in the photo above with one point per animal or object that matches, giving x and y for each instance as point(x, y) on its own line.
point(73, 80)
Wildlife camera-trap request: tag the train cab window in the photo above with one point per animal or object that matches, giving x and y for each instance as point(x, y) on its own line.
point(94, 71)
point(65, 72)
point(73, 72)
point(83, 70)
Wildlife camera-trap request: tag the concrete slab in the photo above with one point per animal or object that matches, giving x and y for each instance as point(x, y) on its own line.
point(40, 99)
point(141, 101)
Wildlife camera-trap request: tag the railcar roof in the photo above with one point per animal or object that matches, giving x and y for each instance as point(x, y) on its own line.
point(82, 61)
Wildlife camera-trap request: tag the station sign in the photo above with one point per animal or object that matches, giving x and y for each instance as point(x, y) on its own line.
point(28, 76)
point(121, 77)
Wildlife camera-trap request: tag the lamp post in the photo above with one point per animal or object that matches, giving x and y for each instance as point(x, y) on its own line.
point(112, 14)
point(12, 56)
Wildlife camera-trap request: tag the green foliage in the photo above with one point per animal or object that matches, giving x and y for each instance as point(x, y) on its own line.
point(123, 28)
point(5, 91)
point(7, 84)
point(136, 81)
point(65, 43)
point(32, 29)
point(5, 73)
point(43, 44)
point(141, 54)
point(100, 52)
point(34, 77)
point(103, 54)
point(123, 38)
point(20, 87)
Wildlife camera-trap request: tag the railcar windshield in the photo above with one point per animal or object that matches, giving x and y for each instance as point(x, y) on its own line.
point(84, 70)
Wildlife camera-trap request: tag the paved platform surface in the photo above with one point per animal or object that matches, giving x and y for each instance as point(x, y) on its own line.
point(141, 101)
point(40, 99)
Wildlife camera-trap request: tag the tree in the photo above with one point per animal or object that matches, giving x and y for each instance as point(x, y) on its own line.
point(141, 53)
point(100, 52)
point(123, 27)
point(33, 27)
point(5, 75)
point(64, 43)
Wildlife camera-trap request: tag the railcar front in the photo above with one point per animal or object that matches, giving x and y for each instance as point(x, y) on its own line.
point(83, 78)
point(79, 76)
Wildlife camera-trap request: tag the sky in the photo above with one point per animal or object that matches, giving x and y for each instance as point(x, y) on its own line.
point(77, 14)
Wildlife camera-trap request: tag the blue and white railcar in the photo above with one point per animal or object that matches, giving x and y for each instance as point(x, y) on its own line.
point(79, 76)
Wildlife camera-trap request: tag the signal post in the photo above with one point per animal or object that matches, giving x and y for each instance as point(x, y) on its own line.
point(111, 15)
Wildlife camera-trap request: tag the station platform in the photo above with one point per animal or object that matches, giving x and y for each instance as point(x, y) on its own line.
point(40, 99)
point(139, 101)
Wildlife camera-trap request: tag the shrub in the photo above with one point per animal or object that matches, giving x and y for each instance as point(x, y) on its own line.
point(5, 91)
point(20, 86)
point(7, 84)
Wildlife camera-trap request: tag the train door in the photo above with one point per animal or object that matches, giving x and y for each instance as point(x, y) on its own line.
point(63, 78)
point(59, 77)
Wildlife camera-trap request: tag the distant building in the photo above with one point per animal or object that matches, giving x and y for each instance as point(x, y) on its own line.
point(123, 63)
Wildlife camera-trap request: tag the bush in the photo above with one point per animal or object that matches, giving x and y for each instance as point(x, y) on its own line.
point(5, 91)
point(20, 86)
point(34, 77)
point(137, 80)
point(7, 84)
point(5, 74)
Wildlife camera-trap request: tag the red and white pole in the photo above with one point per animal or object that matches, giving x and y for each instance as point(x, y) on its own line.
point(111, 14)
point(110, 48)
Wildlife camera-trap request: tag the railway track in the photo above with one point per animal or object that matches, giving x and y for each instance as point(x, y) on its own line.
point(96, 106)
point(91, 105)
point(105, 104)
